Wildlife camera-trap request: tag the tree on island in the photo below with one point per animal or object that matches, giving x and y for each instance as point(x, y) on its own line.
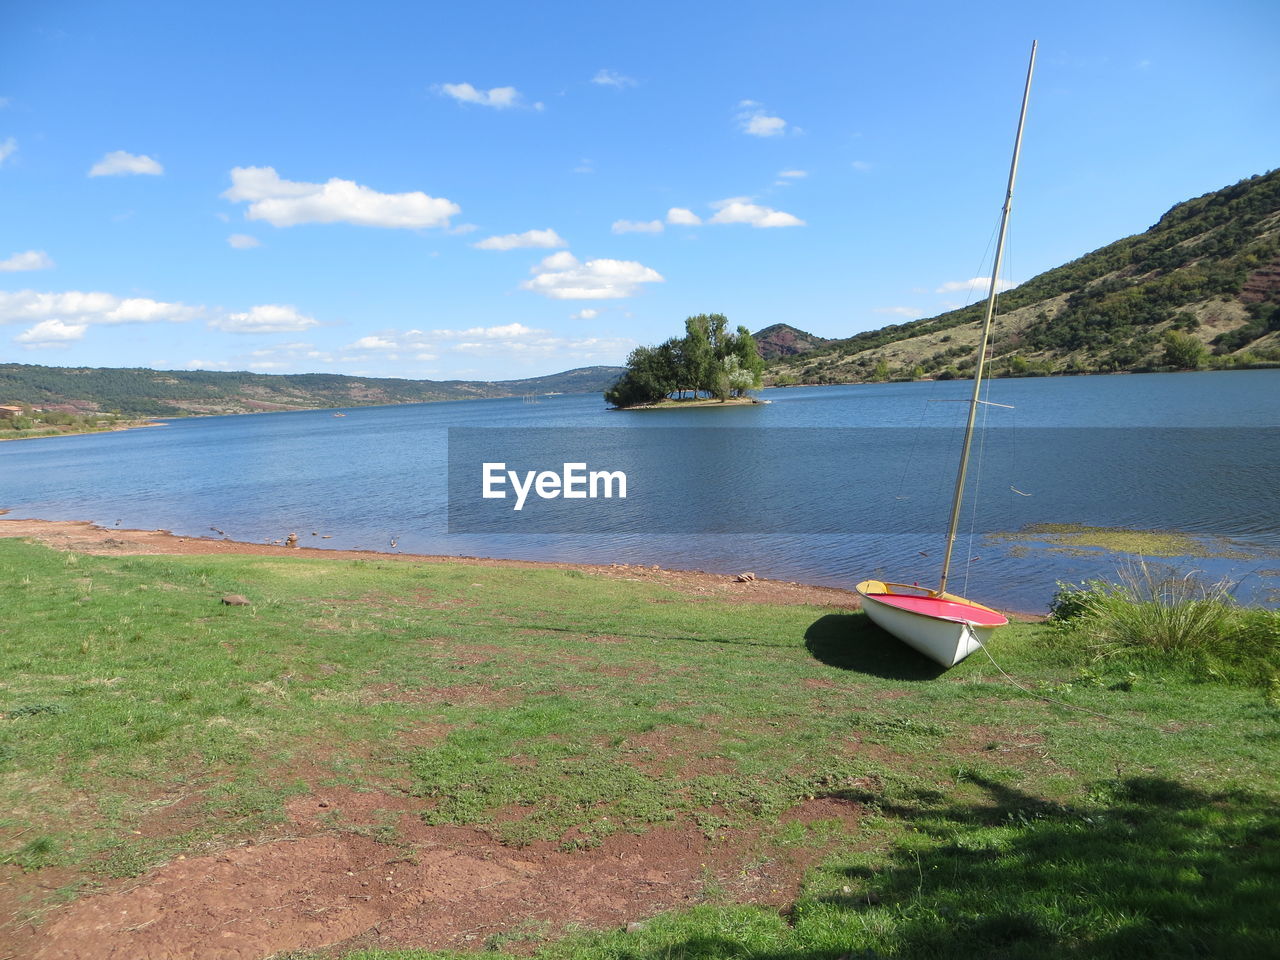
point(706, 360)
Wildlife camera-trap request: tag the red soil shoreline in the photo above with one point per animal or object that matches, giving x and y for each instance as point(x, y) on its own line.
point(85, 537)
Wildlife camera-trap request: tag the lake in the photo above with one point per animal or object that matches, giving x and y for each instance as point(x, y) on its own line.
point(825, 485)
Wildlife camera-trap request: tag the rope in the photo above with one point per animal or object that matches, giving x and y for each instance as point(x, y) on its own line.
point(1061, 703)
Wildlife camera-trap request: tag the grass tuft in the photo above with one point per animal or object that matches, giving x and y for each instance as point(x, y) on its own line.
point(1178, 620)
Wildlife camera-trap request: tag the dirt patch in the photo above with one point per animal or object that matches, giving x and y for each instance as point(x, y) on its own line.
point(823, 683)
point(430, 887)
point(859, 748)
point(1013, 746)
point(684, 752)
point(634, 671)
point(423, 735)
point(465, 694)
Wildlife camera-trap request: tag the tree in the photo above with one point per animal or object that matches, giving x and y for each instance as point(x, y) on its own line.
point(748, 353)
point(707, 359)
point(650, 376)
point(699, 359)
point(1182, 350)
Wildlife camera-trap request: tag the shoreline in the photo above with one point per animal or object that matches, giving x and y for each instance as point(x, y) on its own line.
point(83, 536)
point(701, 402)
point(86, 433)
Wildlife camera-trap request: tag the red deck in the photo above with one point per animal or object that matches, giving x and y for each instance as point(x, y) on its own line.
point(942, 609)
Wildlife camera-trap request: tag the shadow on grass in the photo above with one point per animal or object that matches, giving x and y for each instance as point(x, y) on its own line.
point(1146, 868)
point(851, 641)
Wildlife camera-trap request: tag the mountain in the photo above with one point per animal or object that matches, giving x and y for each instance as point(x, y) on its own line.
point(784, 340)
point(165, 393)
point(1200, 287)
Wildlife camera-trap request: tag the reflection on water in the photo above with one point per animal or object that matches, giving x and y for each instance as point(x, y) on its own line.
point(1198, 452)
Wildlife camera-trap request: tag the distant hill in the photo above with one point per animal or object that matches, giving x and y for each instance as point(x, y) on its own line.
point(784, 340)
point(1207, 274)
point(165, 393)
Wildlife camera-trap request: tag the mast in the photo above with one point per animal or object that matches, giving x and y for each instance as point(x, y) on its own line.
point(986, 334)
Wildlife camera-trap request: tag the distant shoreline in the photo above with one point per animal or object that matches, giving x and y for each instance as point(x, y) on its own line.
point(119, 428)
point(670, 404)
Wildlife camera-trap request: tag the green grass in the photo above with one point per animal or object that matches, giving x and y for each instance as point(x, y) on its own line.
point(995, 823)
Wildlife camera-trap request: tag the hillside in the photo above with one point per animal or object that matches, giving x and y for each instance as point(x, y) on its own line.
point(163, 393)
point(1199, 288)
point(784, 340)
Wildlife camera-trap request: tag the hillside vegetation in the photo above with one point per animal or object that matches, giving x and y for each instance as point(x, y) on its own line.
point(1200, 288)
point(166, 393)
point(784, 340)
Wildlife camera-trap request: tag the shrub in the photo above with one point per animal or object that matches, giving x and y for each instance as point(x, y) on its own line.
point(1154, 612)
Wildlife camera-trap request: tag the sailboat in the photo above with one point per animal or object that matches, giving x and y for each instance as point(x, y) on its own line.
point(941, 625)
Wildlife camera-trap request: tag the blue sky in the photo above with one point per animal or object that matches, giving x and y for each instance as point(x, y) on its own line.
point(511, 189)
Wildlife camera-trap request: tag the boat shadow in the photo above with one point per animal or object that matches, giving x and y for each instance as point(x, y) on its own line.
point(851, 641)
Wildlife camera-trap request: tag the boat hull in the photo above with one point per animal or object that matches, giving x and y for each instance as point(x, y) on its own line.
point(945, 628)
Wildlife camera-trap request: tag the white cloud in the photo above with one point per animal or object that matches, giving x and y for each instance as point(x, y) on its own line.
point(762, 126)
point(793, 174)
point(242, 241)
point(559, 261)
point(265, 318)
point(5, 101)
point(530, 238)
point(861, 166)
point(408, 341)
point(30, 260)
point(611, 78)
point(679, 215)
point(562, 277)
point(637, 226)
point(515, 340)
point(909, 312)
point(373, 343)
point(742, 210)
point(206, 365)
point(76, 308)
point(585, 166)
point(118, 163)
point(8, 148)
point(285, 203)
point(755, 121)
point(504, 332)
point(268, 365)
point(587, 314)
point(973, 284)
point(51, 333)
point(500, 98)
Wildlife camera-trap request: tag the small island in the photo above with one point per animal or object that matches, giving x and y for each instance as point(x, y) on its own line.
point(708, 366)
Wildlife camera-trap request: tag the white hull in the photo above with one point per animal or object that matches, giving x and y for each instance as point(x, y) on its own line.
point(944, 641)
